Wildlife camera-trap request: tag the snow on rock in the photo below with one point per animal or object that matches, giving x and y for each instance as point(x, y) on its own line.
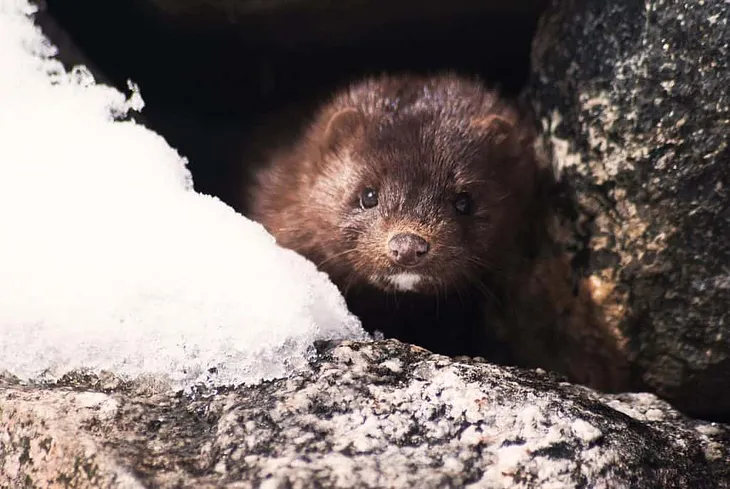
point(108, 258)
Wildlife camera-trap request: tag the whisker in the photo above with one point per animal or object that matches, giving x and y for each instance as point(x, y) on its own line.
point(459, 289)
point(486, 291)
point(466, 183)
point(348, 284)
point(505, 196)
point(336, 255)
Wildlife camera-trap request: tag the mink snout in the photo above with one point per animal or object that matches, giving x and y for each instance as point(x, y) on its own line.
point(407, 249)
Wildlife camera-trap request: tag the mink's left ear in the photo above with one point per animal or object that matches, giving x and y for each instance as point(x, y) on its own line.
point(344, 125)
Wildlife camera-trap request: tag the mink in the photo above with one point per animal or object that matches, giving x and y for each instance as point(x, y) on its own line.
point(414, 194)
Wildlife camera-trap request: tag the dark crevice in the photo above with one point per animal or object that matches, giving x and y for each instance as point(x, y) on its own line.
point(209, 82)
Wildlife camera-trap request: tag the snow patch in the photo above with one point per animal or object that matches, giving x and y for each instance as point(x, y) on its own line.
point(108, 258)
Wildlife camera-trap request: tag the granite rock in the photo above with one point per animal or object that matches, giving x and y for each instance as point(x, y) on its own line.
point(382, 414)
point(633, 97)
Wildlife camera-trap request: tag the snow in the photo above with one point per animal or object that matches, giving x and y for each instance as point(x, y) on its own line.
point(109, 260)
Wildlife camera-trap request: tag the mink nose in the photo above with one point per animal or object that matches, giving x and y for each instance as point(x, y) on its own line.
point(407, 249)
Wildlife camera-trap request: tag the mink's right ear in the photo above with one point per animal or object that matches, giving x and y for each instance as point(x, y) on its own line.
point(501, 130)
point(496, 127)
point(345, 124)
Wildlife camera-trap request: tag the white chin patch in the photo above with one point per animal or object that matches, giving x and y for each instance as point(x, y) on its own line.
point(404, 281)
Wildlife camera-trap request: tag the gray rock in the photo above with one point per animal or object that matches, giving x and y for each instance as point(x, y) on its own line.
point(380, 414)
point(634, 98)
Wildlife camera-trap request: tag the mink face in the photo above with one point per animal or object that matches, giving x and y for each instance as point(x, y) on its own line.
point(409, 184)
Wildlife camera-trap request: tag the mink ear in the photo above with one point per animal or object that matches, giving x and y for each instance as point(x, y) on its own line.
point(496, 127)
point(345, 124)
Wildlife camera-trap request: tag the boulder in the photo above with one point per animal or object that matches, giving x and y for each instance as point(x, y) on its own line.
point(382, 414)
point(633, 98)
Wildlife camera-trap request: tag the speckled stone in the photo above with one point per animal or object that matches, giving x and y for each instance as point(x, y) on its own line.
point(634, 96)
point(363, 415)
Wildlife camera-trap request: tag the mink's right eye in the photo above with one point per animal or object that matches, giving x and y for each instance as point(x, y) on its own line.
point(369, 198)
point(463, 203)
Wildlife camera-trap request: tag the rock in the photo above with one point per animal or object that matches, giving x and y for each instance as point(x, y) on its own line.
point(634, 100)
point(380, 414)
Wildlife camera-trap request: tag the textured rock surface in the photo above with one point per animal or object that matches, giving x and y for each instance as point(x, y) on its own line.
point(365, 415)
point(634, 97)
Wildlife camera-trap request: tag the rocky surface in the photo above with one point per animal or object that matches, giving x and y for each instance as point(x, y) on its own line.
point(634, 98)
point(380, 414)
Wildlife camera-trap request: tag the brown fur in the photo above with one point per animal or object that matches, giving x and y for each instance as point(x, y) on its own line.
point(420, 141)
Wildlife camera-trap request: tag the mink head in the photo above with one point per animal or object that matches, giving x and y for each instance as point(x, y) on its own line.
point(421, 185)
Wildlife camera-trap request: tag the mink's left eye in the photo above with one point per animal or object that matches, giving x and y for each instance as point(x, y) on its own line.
point(463, 204)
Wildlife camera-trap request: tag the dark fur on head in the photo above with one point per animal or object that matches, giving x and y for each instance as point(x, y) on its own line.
point(451, 162)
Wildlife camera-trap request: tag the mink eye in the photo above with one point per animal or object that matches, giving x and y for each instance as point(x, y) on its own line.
point(462, 203)
point(369, 198)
